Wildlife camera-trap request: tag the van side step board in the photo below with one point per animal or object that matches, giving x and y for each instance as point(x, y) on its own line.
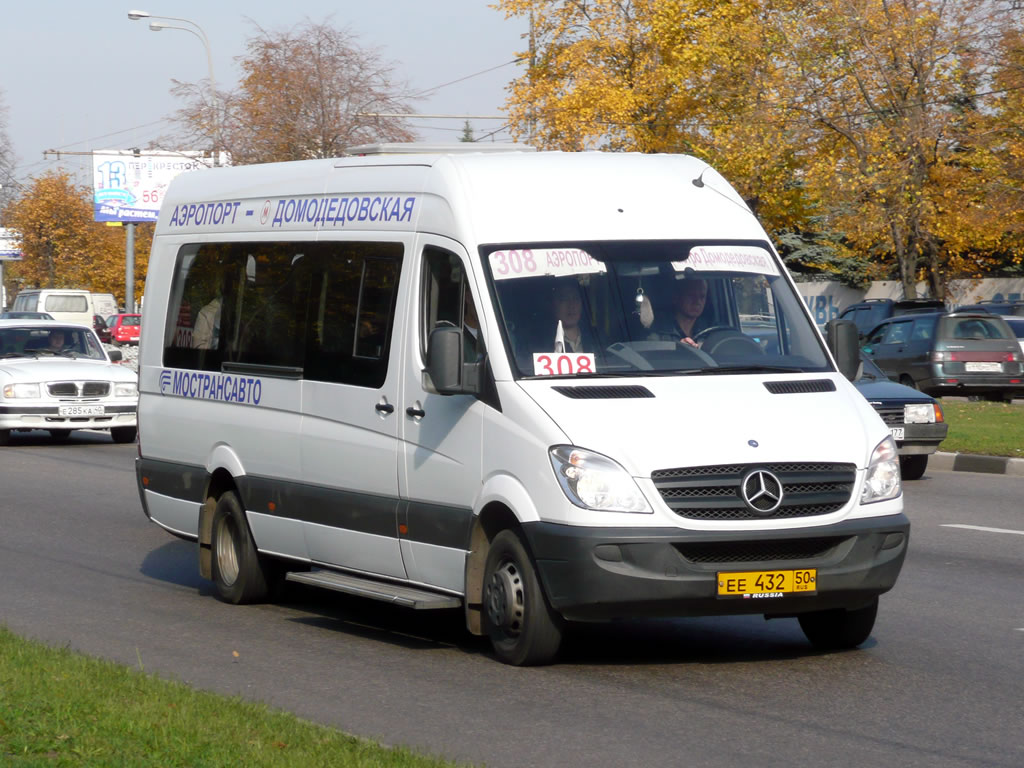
point(407, 597)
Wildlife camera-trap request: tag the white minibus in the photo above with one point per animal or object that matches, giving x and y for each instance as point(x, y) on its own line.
point(68, 305)
point(541, 388)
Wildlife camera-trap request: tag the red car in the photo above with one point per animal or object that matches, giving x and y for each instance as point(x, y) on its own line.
point(124, 329)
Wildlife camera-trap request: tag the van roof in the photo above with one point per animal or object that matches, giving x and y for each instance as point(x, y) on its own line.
point(479, 197)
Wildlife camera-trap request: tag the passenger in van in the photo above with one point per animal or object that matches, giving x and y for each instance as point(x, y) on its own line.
point(205, 334)
point(689, 297)
point(567, 308)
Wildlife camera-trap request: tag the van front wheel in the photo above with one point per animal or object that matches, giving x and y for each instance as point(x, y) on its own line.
point(236, 570)
point(839, 629)
point(523, 629)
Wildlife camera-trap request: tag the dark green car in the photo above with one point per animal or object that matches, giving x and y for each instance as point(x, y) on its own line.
point(970, 354)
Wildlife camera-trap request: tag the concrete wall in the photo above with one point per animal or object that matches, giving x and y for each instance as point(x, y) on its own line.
point(827, 299)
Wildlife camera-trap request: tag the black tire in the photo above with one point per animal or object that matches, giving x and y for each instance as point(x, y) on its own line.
point(123, 434)
point(999, 397)
point(60, 435)
point(236, 569)
point(5, 437)
point(839, 629)
point(523, 629)
point(908, 381)
point(912, 467)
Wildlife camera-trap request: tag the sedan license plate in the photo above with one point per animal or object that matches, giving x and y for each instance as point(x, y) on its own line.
point(767, 583)
point(80, 410)
point(983, 367)
point(897, 433)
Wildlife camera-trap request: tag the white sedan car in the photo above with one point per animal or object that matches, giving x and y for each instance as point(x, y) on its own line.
point(57, 376)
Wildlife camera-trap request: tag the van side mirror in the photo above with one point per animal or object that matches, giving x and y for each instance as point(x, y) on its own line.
point(843, 342)
point(115, 355)
point(448, 374)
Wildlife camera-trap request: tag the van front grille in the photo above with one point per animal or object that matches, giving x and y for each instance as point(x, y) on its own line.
point(715, 493)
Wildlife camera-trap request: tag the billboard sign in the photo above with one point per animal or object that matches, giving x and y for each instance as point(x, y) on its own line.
point(129, 187)
point(9, 249)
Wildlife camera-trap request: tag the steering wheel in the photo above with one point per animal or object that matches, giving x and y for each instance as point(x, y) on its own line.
point(722, 338)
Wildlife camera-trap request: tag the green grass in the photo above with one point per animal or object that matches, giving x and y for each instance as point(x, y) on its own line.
point(994, 429)
point(59, 708)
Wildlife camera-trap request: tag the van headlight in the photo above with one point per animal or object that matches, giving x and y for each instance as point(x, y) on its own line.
point(593, 481)
point(21, 390)
point(883, 476)
point(129, 389)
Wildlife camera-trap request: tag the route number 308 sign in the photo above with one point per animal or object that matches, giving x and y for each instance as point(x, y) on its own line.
point(562, 364)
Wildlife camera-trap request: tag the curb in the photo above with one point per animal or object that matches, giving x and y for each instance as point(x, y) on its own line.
point(969, 462)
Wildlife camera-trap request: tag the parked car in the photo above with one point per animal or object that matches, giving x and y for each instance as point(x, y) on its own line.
point(25, 316)
point(56, 376)
point(869, 313)
point(1017, 326)
point(970, 353)
point(124, 328)
point(100, 326)
point(995, 307)
point(914, 418)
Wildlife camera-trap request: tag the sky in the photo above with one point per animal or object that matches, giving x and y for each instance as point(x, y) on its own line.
point(79, 75)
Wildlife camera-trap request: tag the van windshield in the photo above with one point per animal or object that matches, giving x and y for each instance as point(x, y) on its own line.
point(629, 308)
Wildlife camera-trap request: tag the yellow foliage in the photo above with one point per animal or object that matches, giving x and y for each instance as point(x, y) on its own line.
point(863, 120)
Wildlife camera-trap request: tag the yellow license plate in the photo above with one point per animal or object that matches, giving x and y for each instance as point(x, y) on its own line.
point(767, 583)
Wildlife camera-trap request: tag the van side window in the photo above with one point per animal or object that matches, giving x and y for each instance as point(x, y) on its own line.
point(285, 305)
point(352, 313)
point(446, 299)
point(66, 303)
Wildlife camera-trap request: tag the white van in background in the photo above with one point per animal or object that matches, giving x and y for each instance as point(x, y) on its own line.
point(104, 304)
point(65, 304)
point(541, 387)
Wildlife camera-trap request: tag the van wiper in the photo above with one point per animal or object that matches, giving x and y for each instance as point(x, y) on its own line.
point(747, 369)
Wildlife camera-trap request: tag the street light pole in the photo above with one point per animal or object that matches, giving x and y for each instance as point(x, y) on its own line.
point(195, 29)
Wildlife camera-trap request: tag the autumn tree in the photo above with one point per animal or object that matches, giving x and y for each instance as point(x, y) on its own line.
point(865, 125)
point(306, 92)
point(62, 247)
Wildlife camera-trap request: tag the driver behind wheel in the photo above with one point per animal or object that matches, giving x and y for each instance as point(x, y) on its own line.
point(688, 299)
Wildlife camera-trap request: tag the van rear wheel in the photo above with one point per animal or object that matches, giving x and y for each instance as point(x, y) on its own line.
point(237, 573)
point(523, 629)
point(839, 628)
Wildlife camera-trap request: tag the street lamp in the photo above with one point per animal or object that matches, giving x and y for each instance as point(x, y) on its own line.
point(196, 30)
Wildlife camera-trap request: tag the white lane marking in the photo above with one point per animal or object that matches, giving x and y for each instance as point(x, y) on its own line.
point(982, 528)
